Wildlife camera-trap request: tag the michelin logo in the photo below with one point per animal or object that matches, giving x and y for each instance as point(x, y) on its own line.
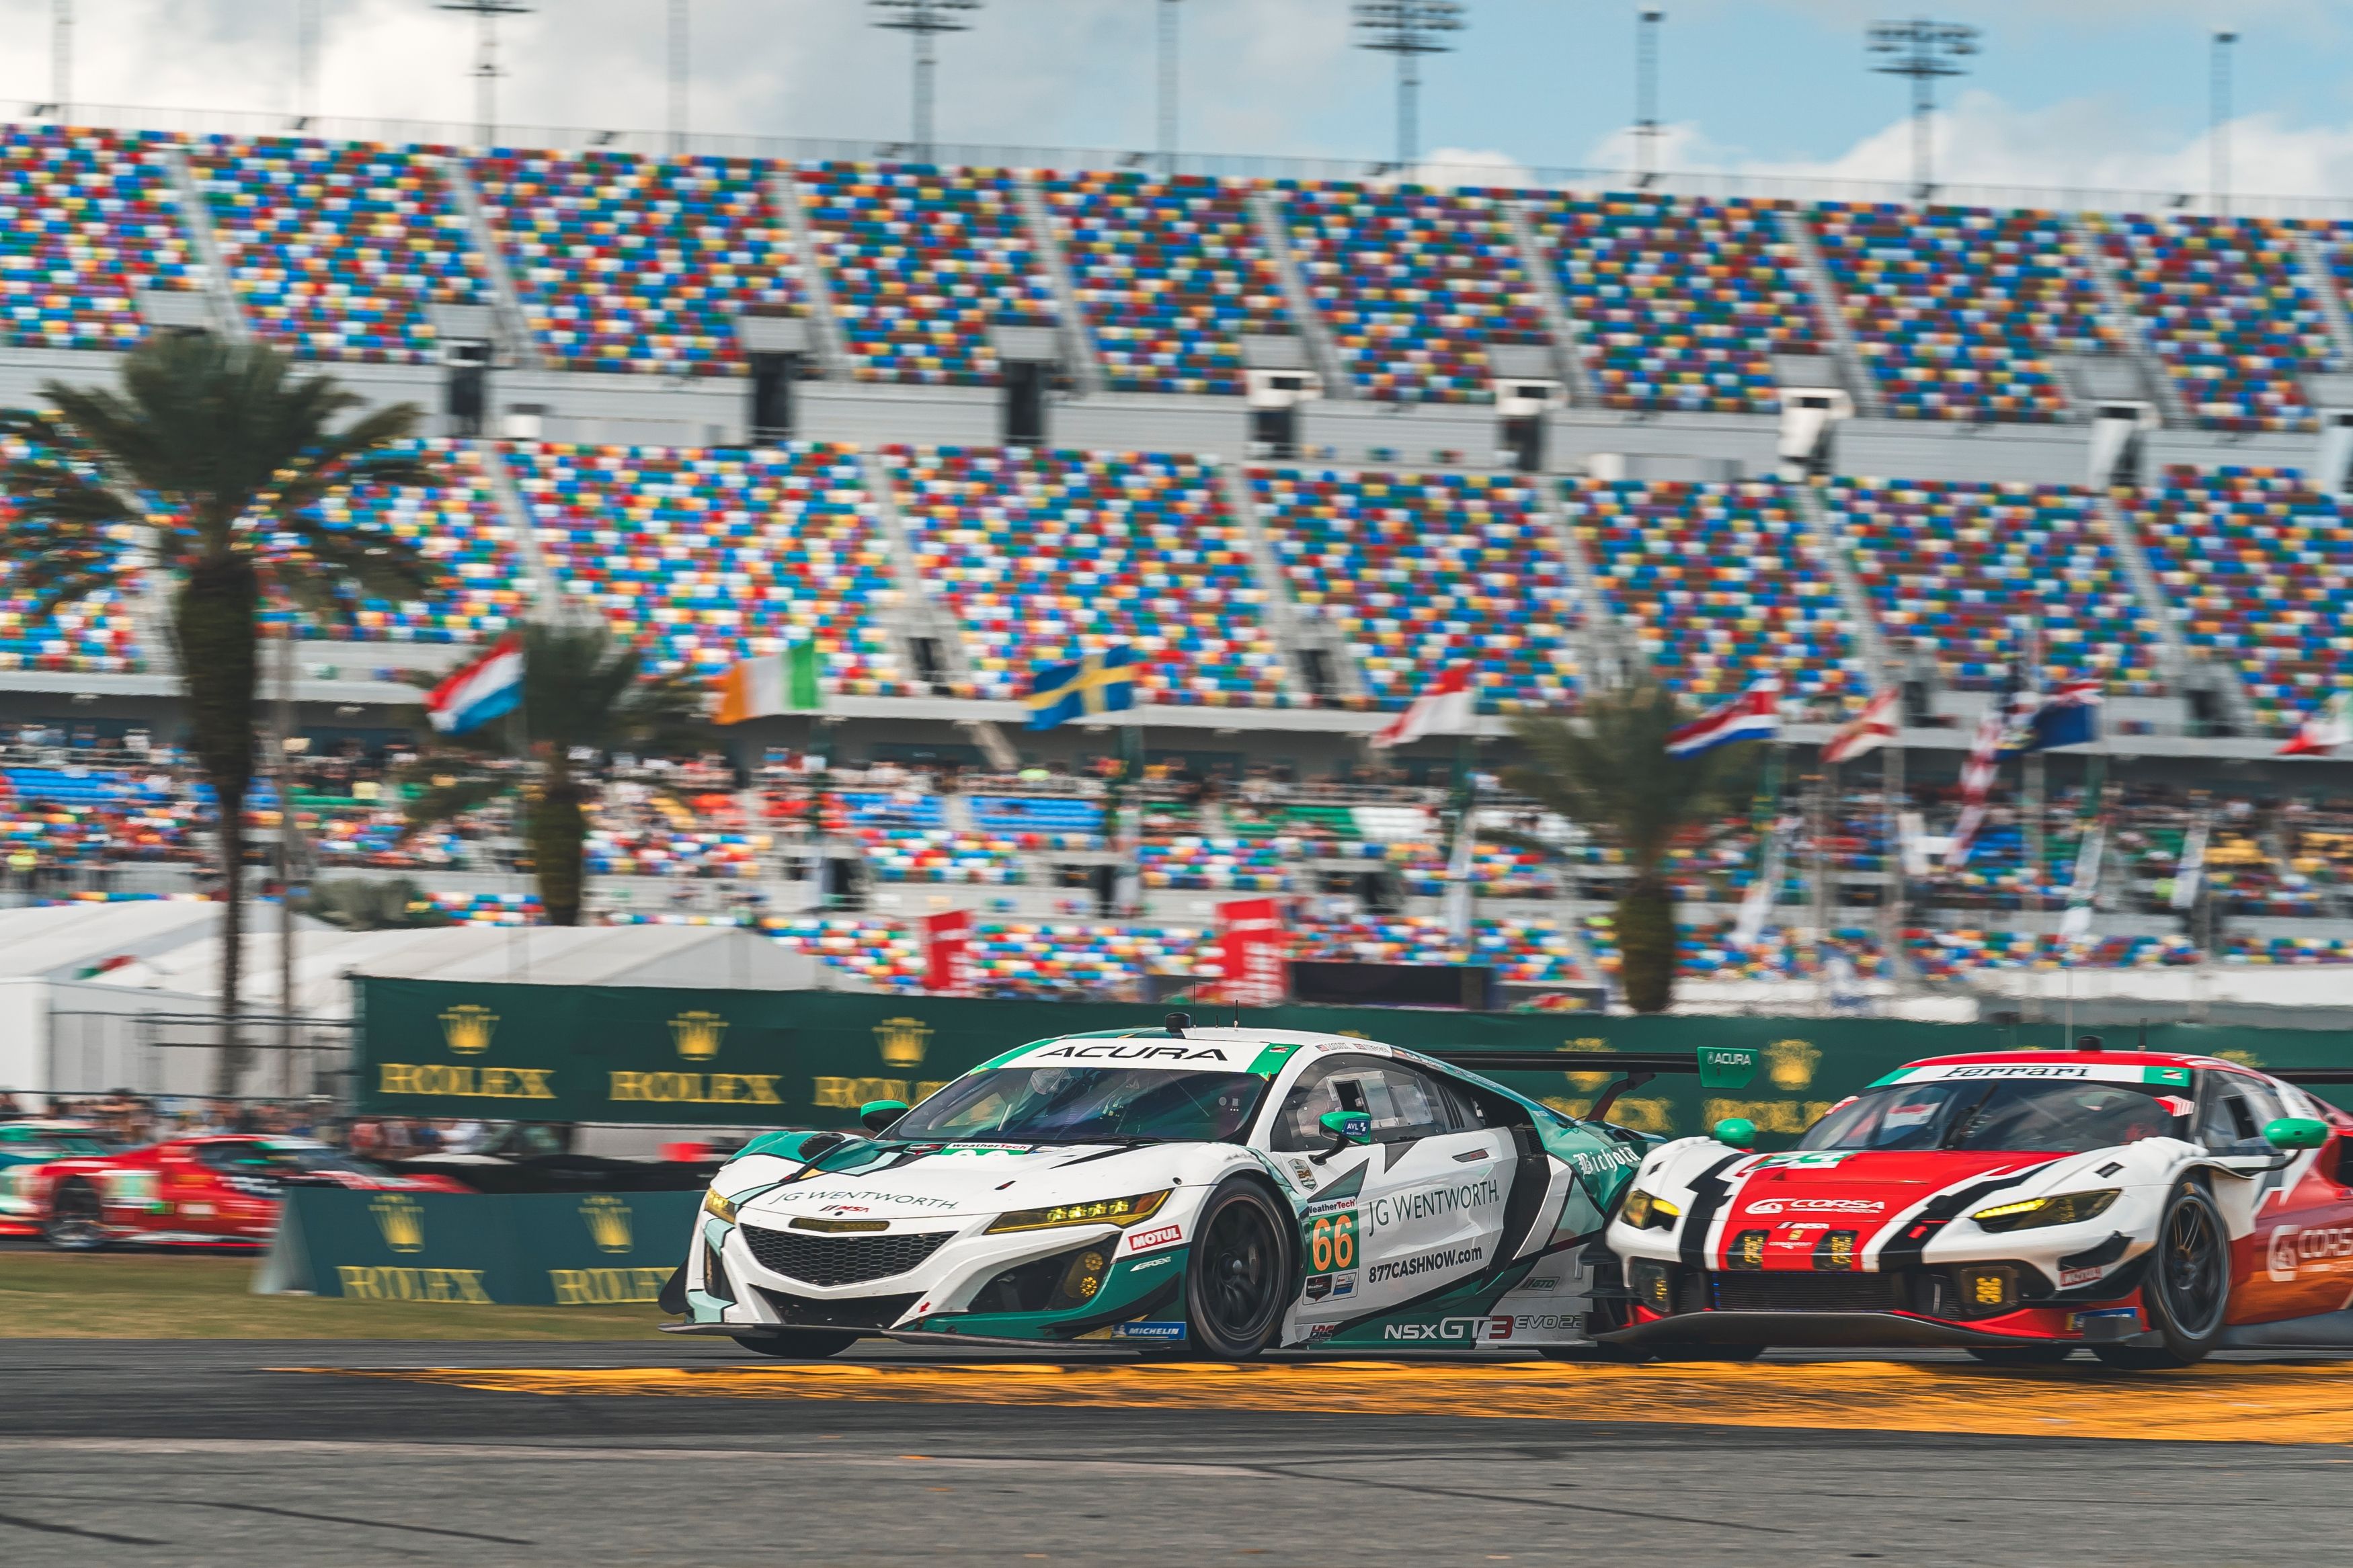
point(1148, 1330)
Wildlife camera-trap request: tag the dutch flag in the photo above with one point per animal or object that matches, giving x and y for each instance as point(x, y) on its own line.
point(474, 694)
point(1754, 715)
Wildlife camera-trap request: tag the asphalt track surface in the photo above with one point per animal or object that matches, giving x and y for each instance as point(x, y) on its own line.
point(691, 1452)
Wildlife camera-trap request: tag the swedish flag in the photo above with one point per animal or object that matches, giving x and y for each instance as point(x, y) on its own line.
point(1098, 683)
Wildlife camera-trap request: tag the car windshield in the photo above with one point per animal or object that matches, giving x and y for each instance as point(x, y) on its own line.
point(1086, 1105)
point(287, 1159)
point(2029, 1115)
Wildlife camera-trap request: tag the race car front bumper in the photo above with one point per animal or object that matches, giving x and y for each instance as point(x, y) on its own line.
point(1852, 1331)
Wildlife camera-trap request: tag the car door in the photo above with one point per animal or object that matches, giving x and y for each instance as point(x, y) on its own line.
point(2293, 1258)
point(1420, 1207)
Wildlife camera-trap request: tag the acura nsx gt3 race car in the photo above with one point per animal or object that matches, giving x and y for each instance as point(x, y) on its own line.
point(1214, 1192)
point(2022, 1204)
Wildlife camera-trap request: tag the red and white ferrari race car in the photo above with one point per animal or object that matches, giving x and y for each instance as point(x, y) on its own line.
point(2022, 1204)
point(208, 1191)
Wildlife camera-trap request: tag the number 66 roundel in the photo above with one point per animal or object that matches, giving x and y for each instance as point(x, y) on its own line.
point(1332, 1243)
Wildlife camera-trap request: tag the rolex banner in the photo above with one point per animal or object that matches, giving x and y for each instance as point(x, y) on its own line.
point(810, 1059)
point(550, 1249)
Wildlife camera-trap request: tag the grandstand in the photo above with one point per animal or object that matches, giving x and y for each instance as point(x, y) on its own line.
point(1298, 437)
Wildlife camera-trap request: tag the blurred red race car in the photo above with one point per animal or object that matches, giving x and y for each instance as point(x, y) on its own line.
point(195, 1192)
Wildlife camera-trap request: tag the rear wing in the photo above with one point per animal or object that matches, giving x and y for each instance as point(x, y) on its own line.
point(1717, 1066)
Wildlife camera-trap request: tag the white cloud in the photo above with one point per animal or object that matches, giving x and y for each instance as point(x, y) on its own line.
point(1472, 166)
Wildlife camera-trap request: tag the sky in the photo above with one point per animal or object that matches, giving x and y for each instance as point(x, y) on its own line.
point(2066, 94)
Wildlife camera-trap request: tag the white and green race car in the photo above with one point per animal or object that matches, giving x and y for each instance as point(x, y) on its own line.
point(1214, 1192)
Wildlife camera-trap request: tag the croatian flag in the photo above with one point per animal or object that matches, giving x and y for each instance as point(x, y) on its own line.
point(1754, 715)
point(2322, 731)
point(1445, 709)
point(474, 694)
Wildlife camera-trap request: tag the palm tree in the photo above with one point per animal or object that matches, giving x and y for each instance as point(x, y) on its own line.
point(210, 463)
point(581, 690)
point(1612, 770)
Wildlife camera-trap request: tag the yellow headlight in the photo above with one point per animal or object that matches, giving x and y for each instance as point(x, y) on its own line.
point(2060, 1208)
point(1100, 1211)
point(1647, 1210)
point(712, 1204)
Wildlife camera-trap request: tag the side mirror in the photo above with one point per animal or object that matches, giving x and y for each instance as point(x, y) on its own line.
point(1346, 1127)
point(877, 1115)
point(2296, 1132)
point(1737, 1131)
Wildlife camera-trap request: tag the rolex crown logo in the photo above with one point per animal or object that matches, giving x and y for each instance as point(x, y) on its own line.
point(901, 1041)
point(468, 1028)
point(402, 1220)
point(698, 1035)
point(608, 1220)
point(1791, 1063)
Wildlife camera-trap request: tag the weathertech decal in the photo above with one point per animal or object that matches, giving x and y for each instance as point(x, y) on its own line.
point(1425, 1263)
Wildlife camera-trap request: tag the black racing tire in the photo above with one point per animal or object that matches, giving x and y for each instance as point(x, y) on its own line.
point(2188, 1294)
point(797, 1344)
point(76, 1220)
point(1238, 1275)
point(2021, 1355)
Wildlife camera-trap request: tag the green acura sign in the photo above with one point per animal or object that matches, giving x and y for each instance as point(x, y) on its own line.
point(810, 1059)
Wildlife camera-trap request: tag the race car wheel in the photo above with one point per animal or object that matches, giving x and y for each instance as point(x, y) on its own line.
point(2021, 1355)
point(2189, 1289)
point(800, 1344)
point(76, 1220)
point(1240, 1273)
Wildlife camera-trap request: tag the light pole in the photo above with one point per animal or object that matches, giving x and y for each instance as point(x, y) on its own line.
point(1646, 98)
point(1408, 29)
point(62, 58)
point(306, 63)
point(2217, 116)
point(486, 57)
point(1168, 84)
point(1925, 51)
point(677, 77)
point(925, 20)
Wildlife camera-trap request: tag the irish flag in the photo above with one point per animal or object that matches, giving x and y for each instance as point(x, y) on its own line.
point(778, 683)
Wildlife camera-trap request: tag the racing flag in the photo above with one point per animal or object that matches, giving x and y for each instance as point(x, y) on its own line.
point(1100, 683)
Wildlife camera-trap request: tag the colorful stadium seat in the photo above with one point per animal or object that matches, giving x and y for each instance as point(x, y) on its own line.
point(1420, 572)
point(88, 218)
point(923, 261)
point(1169, 274)
point(1047, 556)
point(630, 263)
point(334, 249)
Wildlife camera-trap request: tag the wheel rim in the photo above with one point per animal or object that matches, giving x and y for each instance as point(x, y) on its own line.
point(1237, 1261)
point(2194, 1275)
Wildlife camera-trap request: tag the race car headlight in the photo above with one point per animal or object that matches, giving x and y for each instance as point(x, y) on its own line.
point(2060, 1208)
point(1101, 1211)
point(1647, 1210)
point(718, 1206)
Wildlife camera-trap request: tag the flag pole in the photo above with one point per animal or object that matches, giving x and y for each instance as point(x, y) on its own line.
point(1891, 762)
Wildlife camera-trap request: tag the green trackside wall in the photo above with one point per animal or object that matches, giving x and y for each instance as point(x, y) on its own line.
point(810, 1058)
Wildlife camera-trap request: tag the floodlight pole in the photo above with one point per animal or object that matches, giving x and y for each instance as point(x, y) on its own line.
point(2217, 114)
point(486, 57)
point(1646, 98)
point(306, 61)
point(61, 59)
point(1925, 51)
point(677, 76)
point(1168, 85)
point(1408, 29)
point(925, 20)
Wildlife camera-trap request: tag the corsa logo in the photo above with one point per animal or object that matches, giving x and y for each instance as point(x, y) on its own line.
point(2292, 1248)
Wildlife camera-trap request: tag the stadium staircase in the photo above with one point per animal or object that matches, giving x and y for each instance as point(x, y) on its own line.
point(920, 616)
point(546, 589)
point(1292, 634)
point(1832, 311)
point(1567, 343)
point(514, 323)
point(2125, 326)
point(2182, 671)
point(196, 218)
point(824, 327)
point(1084, 365)
point(1605, 649)
point(2321, 284)
point(1339, 386)
point(1832, 545)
